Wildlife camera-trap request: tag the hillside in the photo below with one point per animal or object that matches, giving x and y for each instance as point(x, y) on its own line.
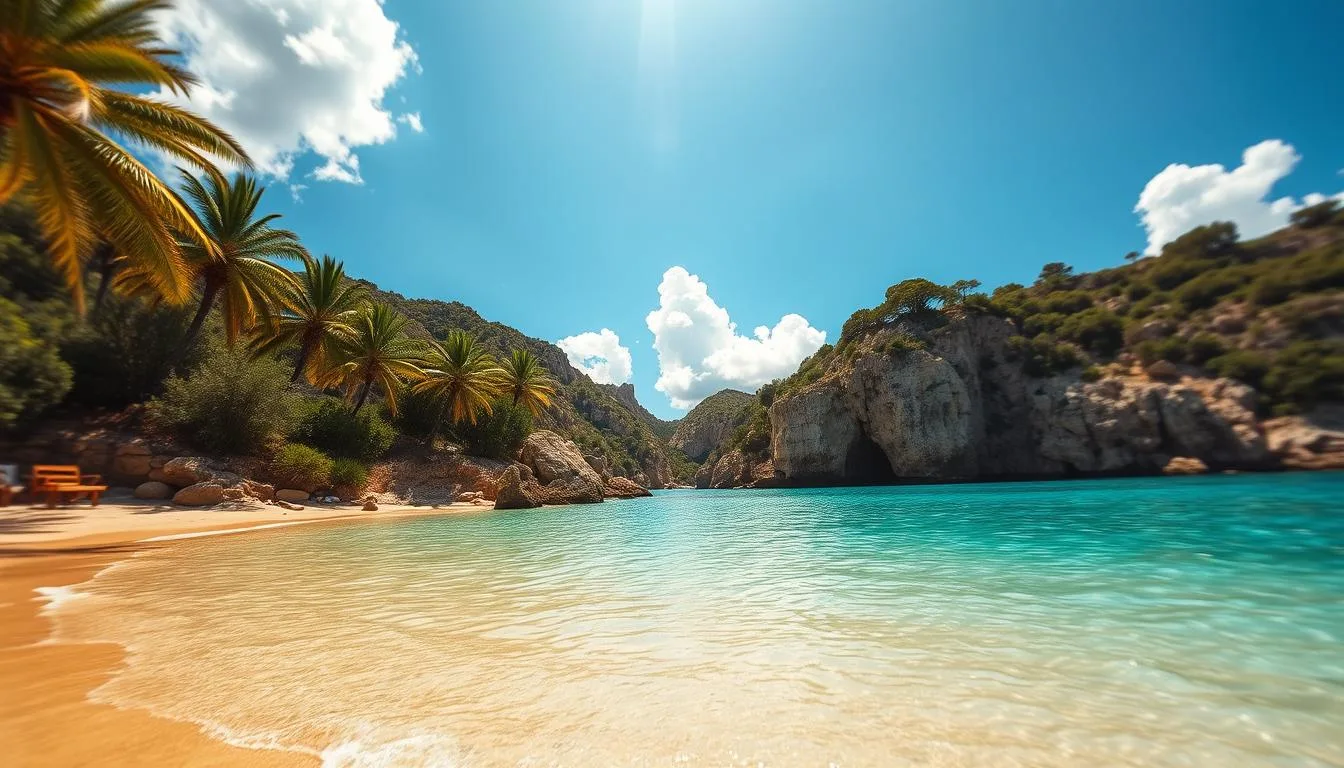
point(625, 393)
point(603, 420)
point(1230, 353)
point(711, 422)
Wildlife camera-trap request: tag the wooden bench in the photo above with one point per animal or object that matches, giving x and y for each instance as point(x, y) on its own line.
point(64, 484)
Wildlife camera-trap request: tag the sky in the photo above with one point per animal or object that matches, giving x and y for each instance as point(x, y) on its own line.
point(695, 194)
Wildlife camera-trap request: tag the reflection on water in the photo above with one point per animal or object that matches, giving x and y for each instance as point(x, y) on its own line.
point(1129, 622)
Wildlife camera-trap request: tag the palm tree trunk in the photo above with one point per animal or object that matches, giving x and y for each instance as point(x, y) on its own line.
point(305, 351)
point(207, 302)
point(102, 258)
point(362, 396)
point(194, 330)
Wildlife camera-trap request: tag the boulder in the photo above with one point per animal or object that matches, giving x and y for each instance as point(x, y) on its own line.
point(561, 468)
point(153, 490)
point(281, 503)
point(190, 470)
point(514, 492)
point(624, 488)
point(1228, 324)
point(370, 506)
point(1185, 465)
point(132, 460)
point(292, 495)
point(1314, 441)
point(599, 464)
point(200, 495)
point(1163, 370)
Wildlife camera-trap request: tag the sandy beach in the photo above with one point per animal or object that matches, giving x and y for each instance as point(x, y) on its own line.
point(45, 716)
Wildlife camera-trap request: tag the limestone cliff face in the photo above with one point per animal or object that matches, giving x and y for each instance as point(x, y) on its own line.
point(710, 423)
point(962, 408)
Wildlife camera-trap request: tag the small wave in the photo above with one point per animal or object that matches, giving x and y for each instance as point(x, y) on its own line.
point(55, 597)
point(423, 750)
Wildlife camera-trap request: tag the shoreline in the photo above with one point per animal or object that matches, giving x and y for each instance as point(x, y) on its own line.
point(48, 719)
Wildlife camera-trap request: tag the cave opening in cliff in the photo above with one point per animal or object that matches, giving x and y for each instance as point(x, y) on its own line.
point(866, 462)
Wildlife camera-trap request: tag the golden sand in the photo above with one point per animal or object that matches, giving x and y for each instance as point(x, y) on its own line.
point(46, 718)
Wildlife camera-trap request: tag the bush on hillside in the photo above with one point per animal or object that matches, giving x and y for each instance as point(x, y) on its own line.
point(1100, 331)
point(1044, 355)
point(331, 427)
point(1173, 349)
point(1208, 289)
point(32, 376)
point(1203, 347)
point(419, 415)
point(1244, 365)
point(126, 350)
point(232, 403)
point(497, 435)
point(1315, 215)
point(302, 467)
point(348, 475)
point(1304, 374)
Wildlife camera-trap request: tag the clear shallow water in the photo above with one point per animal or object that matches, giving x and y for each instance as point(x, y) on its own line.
point(1193, 621)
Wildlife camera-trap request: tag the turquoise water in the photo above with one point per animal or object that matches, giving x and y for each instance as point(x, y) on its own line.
point(1184, 621)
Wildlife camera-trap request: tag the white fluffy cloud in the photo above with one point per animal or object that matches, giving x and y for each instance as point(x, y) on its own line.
point(1183, 197)
point(700, 351)
point(600, 355)
point(287, 77)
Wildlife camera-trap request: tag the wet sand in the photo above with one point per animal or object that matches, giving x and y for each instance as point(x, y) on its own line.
point(46, 718)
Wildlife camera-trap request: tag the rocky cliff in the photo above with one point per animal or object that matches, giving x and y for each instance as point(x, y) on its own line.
point(963, 408)
point(1217, 355)
point(710, 423)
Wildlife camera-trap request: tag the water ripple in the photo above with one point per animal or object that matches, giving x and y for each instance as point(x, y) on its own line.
point(1129, 622)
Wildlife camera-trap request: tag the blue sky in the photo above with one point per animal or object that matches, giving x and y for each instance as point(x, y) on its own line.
point(797, 156)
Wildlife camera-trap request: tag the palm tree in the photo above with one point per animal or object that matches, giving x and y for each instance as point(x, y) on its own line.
point(317, 312)
point(378, 354)
point(527, 382)
point(62, 65)
point(233, 265)
point(462, 375)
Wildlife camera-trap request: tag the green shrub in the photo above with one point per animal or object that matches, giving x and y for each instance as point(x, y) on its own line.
point(1208, 289)
point(232, 403)
point(1067, 302)
point(32, 375)
point(348, 474)
point(1315, 215)
point(1172, 272)
point(1272, 289)
point(332, 428)
point(900, 343)
point(1047, 322)
point(1092, 373)
point(1173, 349)
point(419, 415)
point(1043, 355)
point(1306, 373)
point(1241, 364)
point(497, 435)
point(126, 350)
point(1204, 347)
point(1097, 330)
point(1137, 291)
point(302, 467)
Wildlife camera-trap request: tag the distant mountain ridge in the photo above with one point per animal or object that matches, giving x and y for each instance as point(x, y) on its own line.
point(604, 420)
point(625, 393)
